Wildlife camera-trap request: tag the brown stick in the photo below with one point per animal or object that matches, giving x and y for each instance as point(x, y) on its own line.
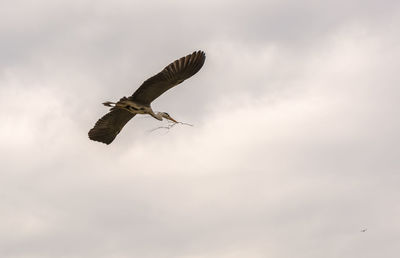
point(169, 126)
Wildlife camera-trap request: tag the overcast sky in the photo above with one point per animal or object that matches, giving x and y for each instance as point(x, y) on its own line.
point(295, 145)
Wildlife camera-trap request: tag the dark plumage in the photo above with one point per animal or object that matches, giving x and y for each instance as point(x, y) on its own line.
point(108, 127)
point(172, 75)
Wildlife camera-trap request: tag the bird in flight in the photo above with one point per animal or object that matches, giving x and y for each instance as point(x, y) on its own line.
point(107, 128)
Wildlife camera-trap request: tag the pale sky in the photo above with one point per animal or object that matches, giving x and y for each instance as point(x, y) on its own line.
point(294, 150)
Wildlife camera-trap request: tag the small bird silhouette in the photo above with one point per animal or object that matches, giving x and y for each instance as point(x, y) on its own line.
point(363, 230)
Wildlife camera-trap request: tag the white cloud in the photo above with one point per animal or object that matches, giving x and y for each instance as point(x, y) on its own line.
point(293, 151)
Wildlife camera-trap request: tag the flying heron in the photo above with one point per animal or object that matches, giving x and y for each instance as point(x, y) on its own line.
point(108, 127)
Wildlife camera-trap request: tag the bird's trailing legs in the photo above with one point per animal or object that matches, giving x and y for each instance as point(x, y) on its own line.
point(123, 102)
point(128, 105)
point(110, 104)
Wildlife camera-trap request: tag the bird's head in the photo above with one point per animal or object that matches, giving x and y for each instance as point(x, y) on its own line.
point(167, 116)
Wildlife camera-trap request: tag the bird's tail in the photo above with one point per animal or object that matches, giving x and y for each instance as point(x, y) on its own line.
point(109, 104)
point(120, 104)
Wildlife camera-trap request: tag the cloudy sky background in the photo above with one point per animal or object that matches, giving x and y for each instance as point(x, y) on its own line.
point(294, 149)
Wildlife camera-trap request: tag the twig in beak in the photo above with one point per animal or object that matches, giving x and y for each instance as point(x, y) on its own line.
point(170, 125)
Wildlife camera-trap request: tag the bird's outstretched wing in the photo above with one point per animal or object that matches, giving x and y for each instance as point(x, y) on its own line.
point(108, 127)
point(170, 76)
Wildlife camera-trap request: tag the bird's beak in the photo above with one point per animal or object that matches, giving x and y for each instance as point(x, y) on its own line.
point(173, 120)
point(166, 116)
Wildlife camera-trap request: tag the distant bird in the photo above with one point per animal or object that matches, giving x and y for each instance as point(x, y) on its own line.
point(363, 230)
point(108, 127)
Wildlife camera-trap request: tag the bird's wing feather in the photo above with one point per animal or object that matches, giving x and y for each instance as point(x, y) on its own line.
point(108, 127)
point(170, 76)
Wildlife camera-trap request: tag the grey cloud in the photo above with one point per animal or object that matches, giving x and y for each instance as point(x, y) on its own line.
point(293, 151)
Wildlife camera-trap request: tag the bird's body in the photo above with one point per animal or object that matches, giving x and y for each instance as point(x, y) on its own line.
point(130, 106)
point(137, 108)
point(108, 127)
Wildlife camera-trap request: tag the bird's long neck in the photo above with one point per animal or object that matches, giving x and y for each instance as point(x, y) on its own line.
point(157, 115)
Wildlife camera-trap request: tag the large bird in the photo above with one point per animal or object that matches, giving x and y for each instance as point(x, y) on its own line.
point(108, 127)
